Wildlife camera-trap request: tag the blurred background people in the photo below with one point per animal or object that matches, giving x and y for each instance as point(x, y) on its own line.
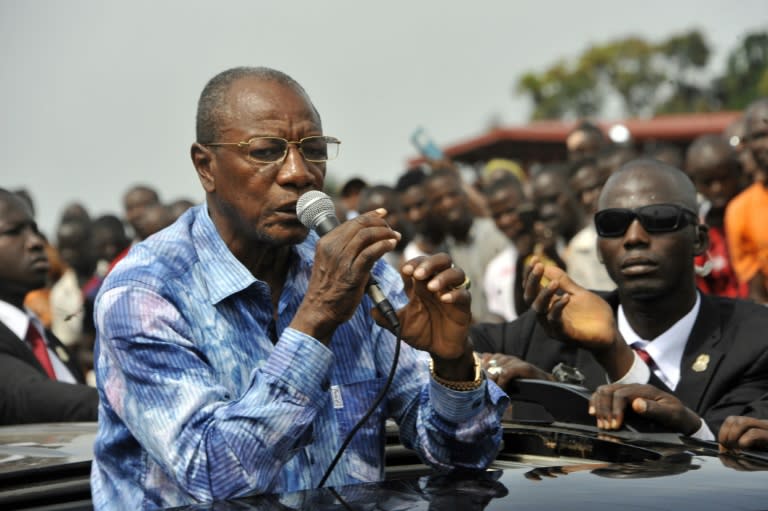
point(135, 200)
point(581, 257)
point(712, 165)
point(746, 214)
point(383, 196)
point(471, 241)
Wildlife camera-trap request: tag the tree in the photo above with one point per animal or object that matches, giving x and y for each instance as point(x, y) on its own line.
point(646, 77)
point(746, 74)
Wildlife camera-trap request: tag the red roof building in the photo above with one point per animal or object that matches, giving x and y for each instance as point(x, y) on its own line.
point(544, 141)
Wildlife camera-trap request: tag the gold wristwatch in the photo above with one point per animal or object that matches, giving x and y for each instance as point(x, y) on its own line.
point(459, 385)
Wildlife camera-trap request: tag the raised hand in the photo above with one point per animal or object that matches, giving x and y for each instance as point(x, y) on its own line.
point(437, 316)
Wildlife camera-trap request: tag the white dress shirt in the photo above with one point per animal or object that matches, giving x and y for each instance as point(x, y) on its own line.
point(666, 350)
point(17, 321)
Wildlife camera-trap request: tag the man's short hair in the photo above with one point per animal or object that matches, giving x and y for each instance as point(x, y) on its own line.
point(410, 178)
point(212, 102)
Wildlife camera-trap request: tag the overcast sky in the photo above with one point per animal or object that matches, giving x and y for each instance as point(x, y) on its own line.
point(99, 95)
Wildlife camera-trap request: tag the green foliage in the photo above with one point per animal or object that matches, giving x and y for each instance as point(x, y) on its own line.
point(746, 75)
point(649, 78)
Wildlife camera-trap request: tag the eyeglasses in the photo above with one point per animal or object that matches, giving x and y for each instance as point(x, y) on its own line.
point(655, 218)
point(316, 149)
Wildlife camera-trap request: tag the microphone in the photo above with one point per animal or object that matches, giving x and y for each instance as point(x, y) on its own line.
point(316, 211)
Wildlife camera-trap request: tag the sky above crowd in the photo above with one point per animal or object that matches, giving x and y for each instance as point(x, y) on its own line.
point(100, 95)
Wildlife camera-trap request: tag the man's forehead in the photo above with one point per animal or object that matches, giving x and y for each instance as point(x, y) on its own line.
point(254, 94)
point(641, 187)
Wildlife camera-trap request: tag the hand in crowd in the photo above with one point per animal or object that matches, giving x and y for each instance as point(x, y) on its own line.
point(609, 404)
point(740, 432)
point(504, 368)
point(566, 310)
point(438, 315)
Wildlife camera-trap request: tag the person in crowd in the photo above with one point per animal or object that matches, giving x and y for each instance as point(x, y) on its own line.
point(39, 300)
point(236, 349)
point(556, 204)
point(735, 135)
point(712, 165)
point(665, 152)
point(745, 225)
point(584, 141)
point(743, 432)
point(39, 379)
point(612, 156)
point(507, 204)
point(350, 195)
point(472, 242)
point(179, 206)
point(109, 240)
point(683, 359)
point(153, 219)
point(74, 212)
point(385, 197)
point(581, 257)
point(498, 169)
point(427, 239)
point(71, 323)
point(135, 201)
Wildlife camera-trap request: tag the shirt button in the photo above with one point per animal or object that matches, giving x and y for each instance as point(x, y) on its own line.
point(325, 385)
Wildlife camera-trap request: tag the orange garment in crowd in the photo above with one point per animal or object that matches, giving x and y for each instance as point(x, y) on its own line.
point(38, 301)
point(746, 226)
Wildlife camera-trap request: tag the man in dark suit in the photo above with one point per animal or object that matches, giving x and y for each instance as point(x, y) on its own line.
point(39, 381)
point(708, 355)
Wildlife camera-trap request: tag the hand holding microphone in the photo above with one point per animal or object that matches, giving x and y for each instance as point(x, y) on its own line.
point(316, 211)
point(437, 316)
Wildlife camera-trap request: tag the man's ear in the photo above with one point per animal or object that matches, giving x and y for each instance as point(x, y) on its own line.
point(202, 159)
point(701, 243)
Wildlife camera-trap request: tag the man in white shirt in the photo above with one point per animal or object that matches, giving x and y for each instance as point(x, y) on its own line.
point(39, 380)
point(706, 357)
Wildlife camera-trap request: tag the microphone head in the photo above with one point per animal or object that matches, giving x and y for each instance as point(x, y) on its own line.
point(313, 207)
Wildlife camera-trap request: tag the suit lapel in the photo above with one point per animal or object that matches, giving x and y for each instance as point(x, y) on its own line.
point(701, 356)
point(10, 343)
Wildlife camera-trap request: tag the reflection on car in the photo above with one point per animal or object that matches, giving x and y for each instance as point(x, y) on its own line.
point(553, 457)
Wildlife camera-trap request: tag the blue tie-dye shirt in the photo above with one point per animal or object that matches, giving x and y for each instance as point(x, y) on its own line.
point(198, 403)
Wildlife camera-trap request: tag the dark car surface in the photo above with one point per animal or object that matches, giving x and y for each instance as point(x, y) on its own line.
point(552, 458)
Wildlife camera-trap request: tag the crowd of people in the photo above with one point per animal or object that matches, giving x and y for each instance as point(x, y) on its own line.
point(226, 348)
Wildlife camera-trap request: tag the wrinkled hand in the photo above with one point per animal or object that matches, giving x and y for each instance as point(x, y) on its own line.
point(343, 261)
point(437, 316)
point(567, 311)
point(504, 368)
point(740, 432)
point(609, 402)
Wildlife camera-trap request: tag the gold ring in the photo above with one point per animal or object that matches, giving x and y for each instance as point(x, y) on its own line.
point(466, 284)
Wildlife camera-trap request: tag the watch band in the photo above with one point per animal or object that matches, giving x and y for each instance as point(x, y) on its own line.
point(459, 385)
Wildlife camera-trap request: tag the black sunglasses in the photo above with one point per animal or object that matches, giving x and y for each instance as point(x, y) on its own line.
point(655, 218)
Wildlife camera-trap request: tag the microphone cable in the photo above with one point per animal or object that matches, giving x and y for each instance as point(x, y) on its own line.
point(376, 402)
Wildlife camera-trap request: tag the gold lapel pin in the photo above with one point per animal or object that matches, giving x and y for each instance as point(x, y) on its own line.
point(701, 363)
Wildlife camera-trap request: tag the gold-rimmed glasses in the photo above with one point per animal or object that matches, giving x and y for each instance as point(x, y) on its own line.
point(316, 148)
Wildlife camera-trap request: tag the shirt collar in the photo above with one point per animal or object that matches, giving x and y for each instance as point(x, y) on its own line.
point(666, 349)
point(15, 319)
point(222, 272)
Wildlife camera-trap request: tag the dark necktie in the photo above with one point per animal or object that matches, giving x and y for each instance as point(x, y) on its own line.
point(40, 350)
point(645, 357)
